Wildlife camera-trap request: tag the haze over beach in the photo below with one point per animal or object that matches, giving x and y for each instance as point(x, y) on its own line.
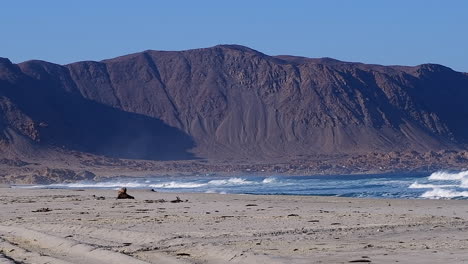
point(243, 132)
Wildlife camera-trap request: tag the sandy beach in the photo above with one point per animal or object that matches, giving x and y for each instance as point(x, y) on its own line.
point(91, 226)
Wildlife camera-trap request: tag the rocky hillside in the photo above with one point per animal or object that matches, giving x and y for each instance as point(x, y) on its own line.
point(229, 102)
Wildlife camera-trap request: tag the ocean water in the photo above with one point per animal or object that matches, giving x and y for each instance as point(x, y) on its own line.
point(438, 185)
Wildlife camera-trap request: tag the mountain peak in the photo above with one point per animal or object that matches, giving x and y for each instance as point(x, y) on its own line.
point(236, 47)
point(5, 61)
point(433, 67)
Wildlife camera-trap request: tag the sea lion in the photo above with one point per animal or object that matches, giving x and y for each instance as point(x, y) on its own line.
point(123, 194)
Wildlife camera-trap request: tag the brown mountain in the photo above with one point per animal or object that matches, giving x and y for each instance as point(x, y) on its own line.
point(229, 101)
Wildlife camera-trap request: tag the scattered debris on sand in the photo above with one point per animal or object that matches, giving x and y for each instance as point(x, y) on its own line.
point(42, 210)
point(178, 200)
point(99, 197)
point(155, 201)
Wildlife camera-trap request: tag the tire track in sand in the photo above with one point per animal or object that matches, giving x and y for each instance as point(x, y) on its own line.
point(22, 245)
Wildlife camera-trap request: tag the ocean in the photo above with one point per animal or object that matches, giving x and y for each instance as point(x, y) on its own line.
point(437, 185)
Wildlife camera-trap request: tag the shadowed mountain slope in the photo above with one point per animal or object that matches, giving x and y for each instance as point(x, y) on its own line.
point(41, 110)
point(231, 101)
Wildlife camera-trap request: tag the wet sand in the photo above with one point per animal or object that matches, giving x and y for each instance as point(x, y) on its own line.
point(91, 226)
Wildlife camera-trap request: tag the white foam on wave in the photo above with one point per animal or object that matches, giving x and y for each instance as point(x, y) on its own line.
point(459, 181)
point(444, 175)
point(27, 186)
point(464, 183)
point(213, 191)
point(175, 185)
point(417, 185)
point(148, 184)
point(269, 180)
point(438, 193)
point(230, 181)
point(99, 185)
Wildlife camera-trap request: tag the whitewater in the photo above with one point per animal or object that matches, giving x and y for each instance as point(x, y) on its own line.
point(438, 185)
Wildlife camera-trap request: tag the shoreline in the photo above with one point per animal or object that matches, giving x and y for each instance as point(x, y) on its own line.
point(78, 166)
point(222, 228)
point(378, 186)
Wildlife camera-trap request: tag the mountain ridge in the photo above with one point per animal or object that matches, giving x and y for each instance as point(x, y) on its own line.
point(239, 47)
point(230, 101)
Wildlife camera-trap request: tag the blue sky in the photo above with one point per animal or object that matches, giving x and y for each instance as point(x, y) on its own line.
point(405, 32)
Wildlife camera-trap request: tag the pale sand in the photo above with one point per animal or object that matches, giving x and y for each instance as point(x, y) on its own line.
point(216, 228)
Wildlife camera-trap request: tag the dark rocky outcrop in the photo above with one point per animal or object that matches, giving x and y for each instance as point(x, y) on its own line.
point(231, 102)
point(48, 176)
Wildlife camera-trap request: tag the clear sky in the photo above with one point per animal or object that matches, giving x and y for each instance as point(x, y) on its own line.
point(405, 32)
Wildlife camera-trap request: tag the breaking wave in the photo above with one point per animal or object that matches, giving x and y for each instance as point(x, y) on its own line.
point(221, 182)
point(160, 183)
point(438, 193)
point(230, 181)
point(417, 185)
point(269, 180)
point(444, 175)
point(444, 185)
point(175, 185)
point(103, 185)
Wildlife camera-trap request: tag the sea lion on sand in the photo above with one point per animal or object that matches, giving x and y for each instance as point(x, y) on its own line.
point(123, 194)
